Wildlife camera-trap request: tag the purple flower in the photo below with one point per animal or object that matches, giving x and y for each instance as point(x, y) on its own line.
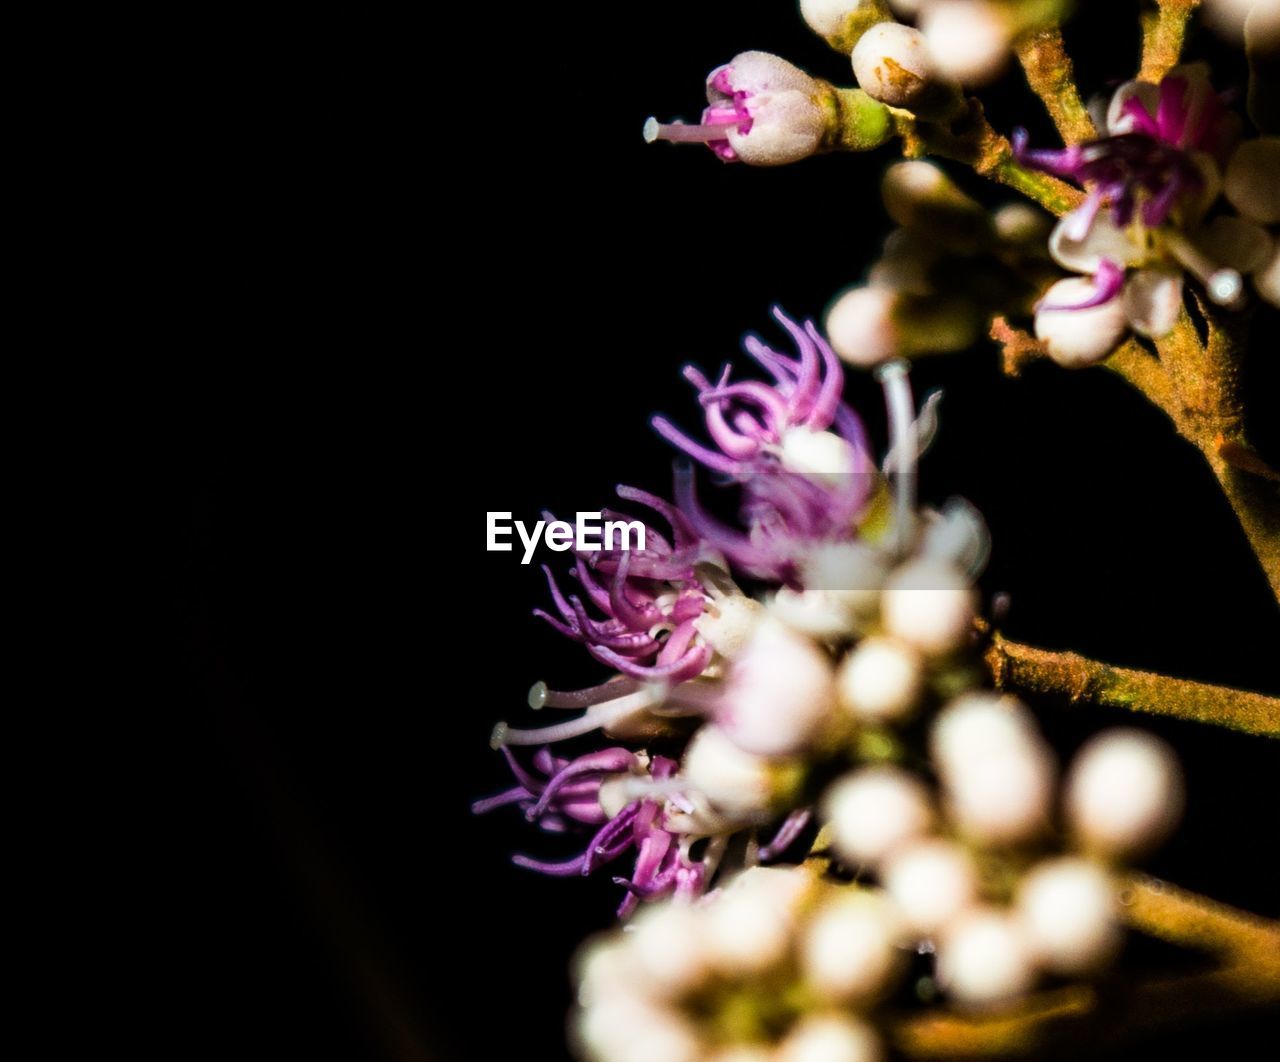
point(1147, 165)
point(1150, 181)
point(762, 110)
point(650, 601)
point(571, 794)
point(797, 450)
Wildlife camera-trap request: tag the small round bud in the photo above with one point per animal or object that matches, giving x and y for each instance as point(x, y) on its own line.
point(880, 681)
point(848, 951)
point(813, 612)
point(735, 782)
point(984, 958)
point(1124, 792)
point(779, 694)
point(828, 18)
point(974, 724)
point(748, 925)
point(862, 328)
point(823, 455)
point(745, 933)
point(931, 881)
point(668, 949)
point(605, 967)
point(929, 604)
point(727, 623)
point(1022, 223)
point(892, 64)
point(830, 1038)
point(630, 1029)
point(875, 809)
point(919, 195)
point(968, 40)
point(1003, 796)
point(1076, 338)
point(1252, 181)
point(851, 572)
point(1068, 910)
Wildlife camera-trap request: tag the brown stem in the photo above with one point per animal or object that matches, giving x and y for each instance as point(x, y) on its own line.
point(1167, 912)
point(1197, 385)
point(1065, 1020)
point(1027, 669)
point(1049, 73)
point(1163, 33)
point(973, 141)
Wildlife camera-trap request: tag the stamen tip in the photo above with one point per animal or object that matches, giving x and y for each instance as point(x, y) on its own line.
point(538, 696)
point(1226, 286)
point(652, 129)
point(499, 736)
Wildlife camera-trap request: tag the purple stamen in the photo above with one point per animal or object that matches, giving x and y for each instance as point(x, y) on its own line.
point(790, 829)
point(1107, 284)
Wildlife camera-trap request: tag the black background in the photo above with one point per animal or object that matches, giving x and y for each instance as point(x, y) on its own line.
point(462, 283)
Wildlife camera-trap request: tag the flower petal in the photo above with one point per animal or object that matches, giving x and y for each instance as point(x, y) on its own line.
point(1152, 299)
point(1084, 251)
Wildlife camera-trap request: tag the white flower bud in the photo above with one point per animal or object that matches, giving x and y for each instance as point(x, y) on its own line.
point(605, 967)
point(813, 612)
point(875, 809)
point(780, 692)
point(862, 328)
point(929, 604)
point(851, 572)
point(736, 782)
point(748, 925)
point(1252, 181)
point(1077, 338)
point(880, 680)
point(1262, 27)
point(824, 455)
point(828, 18)
point(983, 958)
point(892, 64)
point(848, 951)
point(1068, 911)
point(1257, 21)
point(932, 881)
point(968, 40)
point(667, 947)
point(1022, 223)
point(830, 1038)
point(974, 724)
point(628, 1029)
point(918, 194)
point(1124, 792)
point(1003, 796)
point(727, 623)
